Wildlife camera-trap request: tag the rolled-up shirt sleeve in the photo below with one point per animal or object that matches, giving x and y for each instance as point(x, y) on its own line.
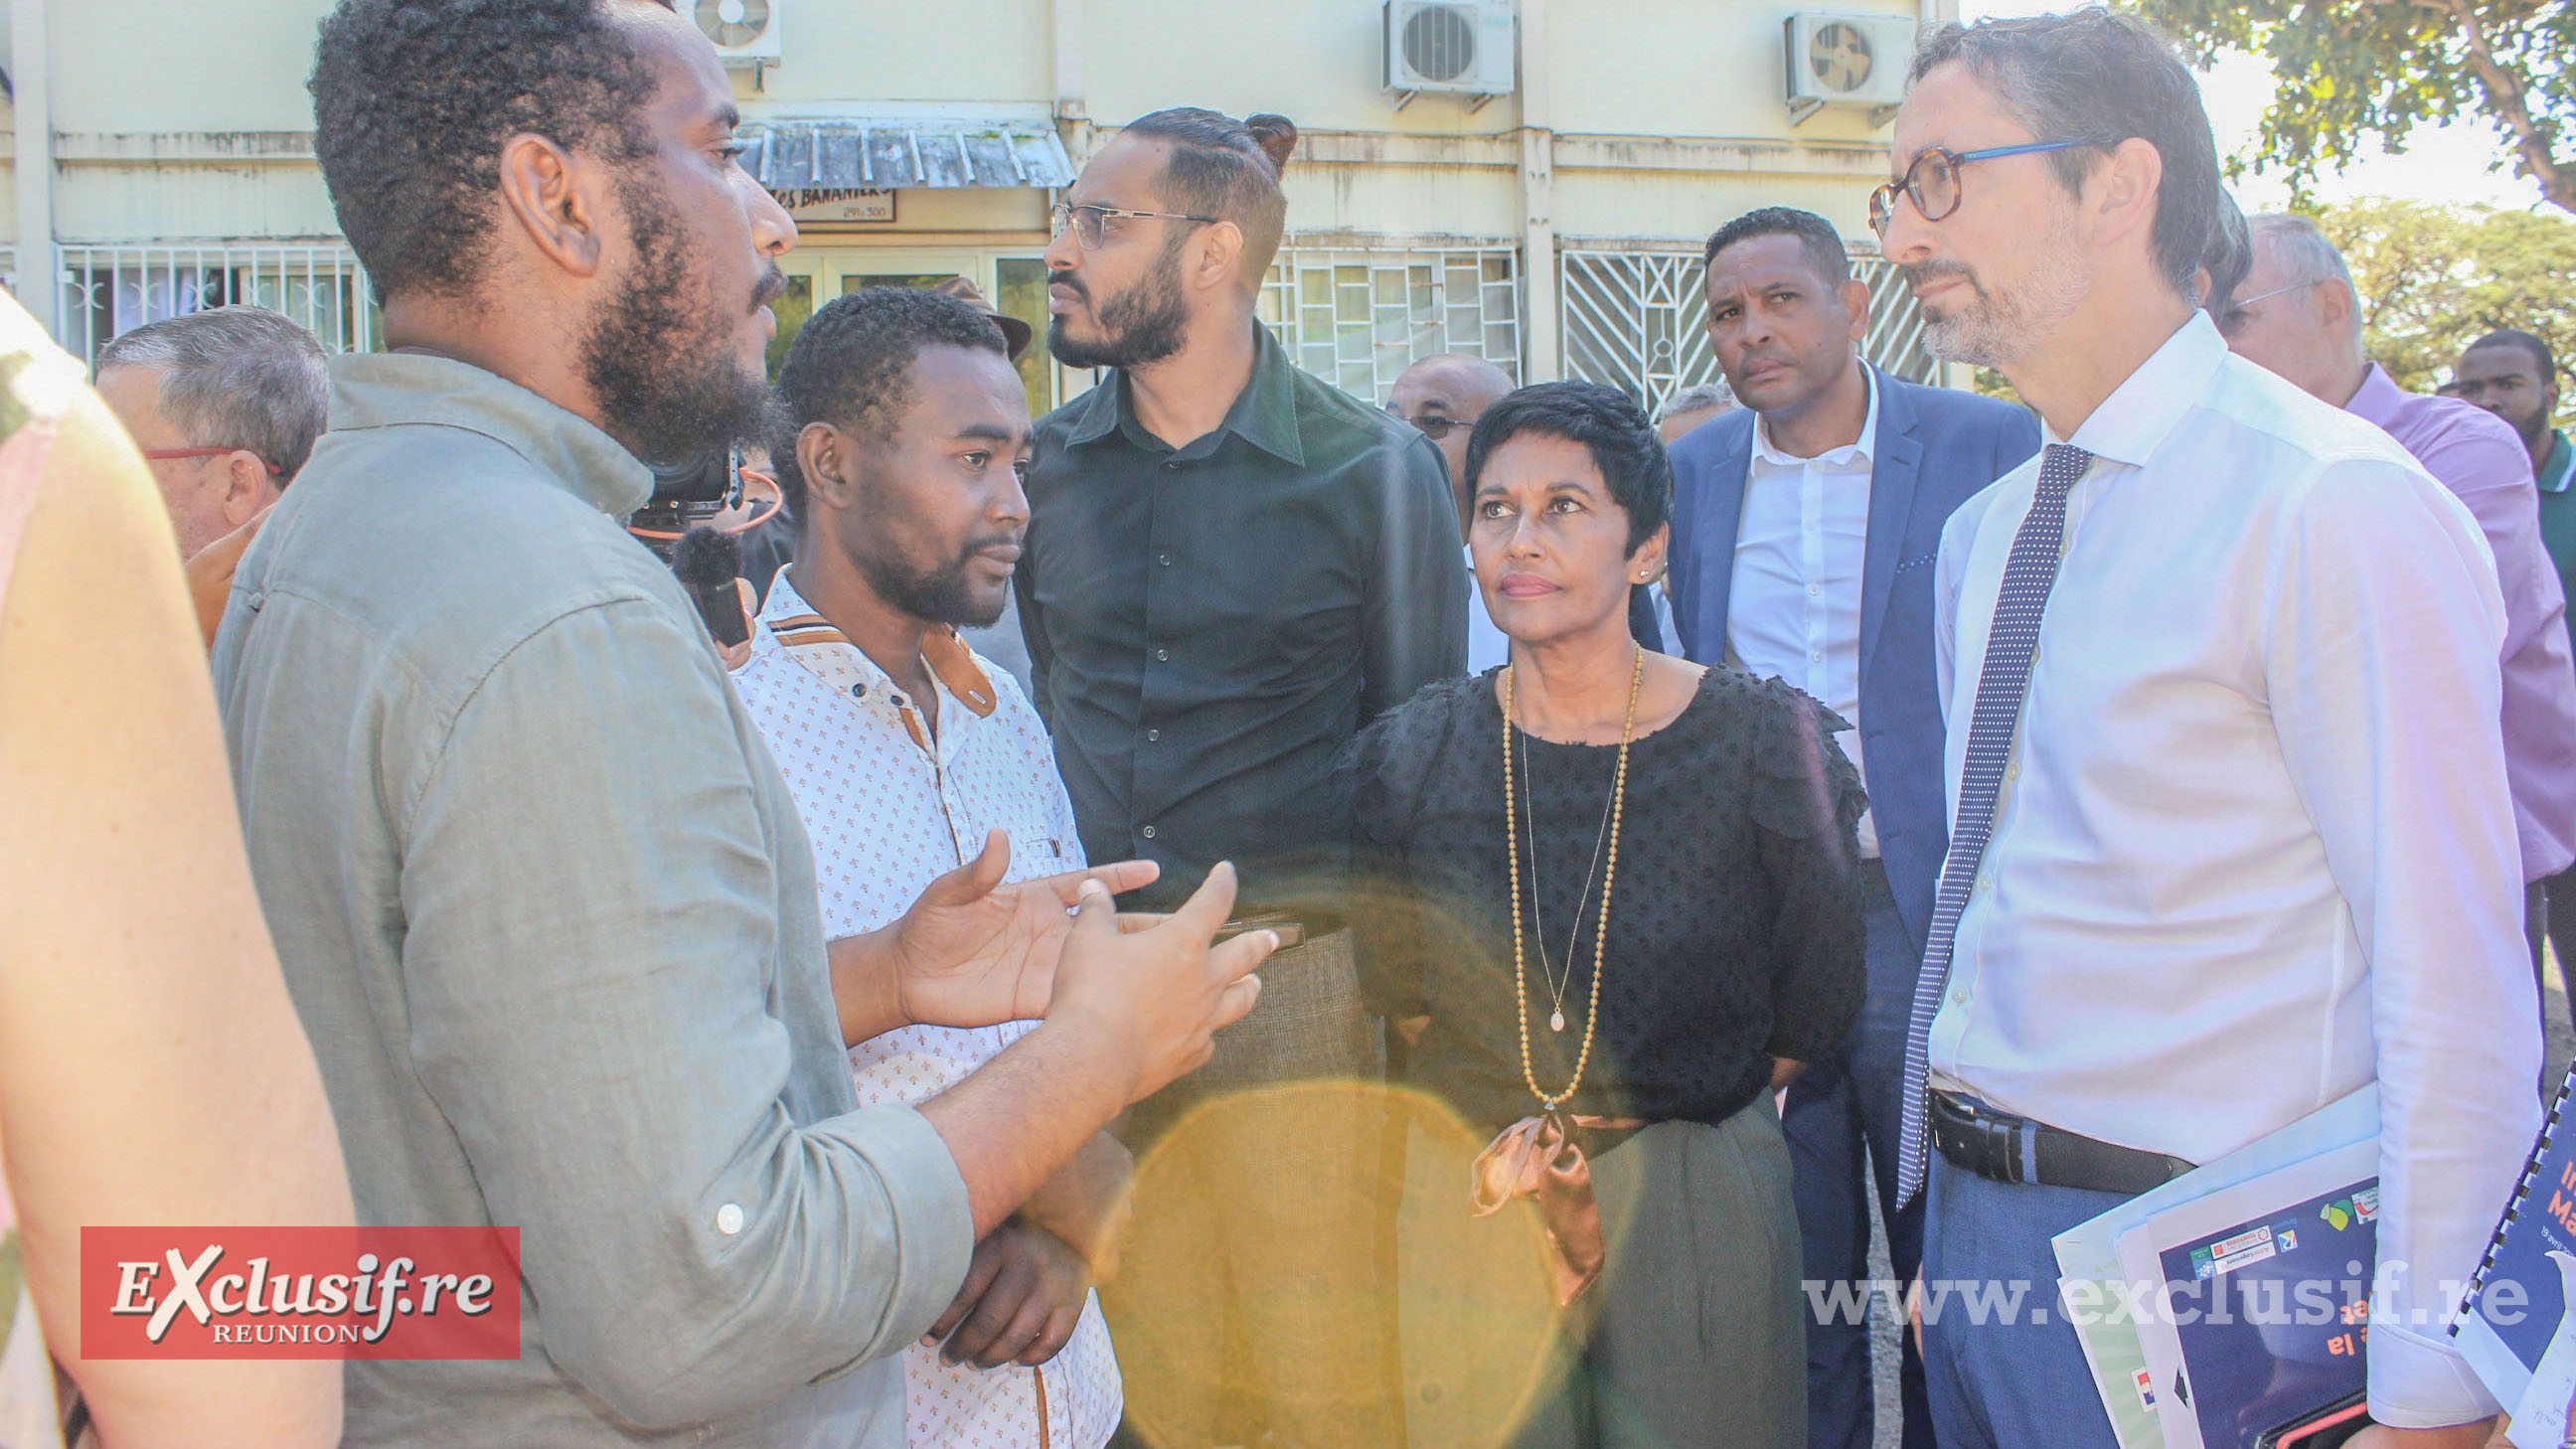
point(591, 964)
point(2384, 622)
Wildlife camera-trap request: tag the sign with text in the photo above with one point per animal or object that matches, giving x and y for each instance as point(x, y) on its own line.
point(371, 1293)
point(867, 204)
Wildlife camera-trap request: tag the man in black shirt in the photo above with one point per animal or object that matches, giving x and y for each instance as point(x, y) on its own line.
point(1232, 567)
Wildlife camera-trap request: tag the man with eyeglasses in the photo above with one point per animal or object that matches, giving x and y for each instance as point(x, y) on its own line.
point(1230, 568)
point(2302, 321)
point(2231, 837)
point(225, 405)
point(1442, 396)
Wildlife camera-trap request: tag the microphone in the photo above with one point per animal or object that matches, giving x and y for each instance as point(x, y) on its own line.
point(708, 561)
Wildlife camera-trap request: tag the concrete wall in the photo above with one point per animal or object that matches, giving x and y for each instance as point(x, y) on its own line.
point(188, 119)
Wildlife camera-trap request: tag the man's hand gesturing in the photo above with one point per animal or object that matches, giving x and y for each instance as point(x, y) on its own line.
point(970, 951)
point(1162, 991)
point(1135, 1003)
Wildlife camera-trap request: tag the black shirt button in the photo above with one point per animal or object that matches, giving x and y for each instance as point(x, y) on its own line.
point(1148, 832)
point(1164, 559)
point(1153, 735)
point(1162, 656)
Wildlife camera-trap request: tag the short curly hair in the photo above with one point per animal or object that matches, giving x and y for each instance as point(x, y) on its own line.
point(849, 362)
point(412, 100)
point(1609, 425)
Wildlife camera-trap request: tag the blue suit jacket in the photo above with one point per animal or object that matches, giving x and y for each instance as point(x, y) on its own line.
point(1935, 448)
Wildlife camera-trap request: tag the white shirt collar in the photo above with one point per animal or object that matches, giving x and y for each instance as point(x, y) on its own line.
point(2130, 424)
point(1865, 448)
point(946, 655)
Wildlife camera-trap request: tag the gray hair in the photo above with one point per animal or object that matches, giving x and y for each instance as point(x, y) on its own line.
point(2305, 256)
point(2302, 249)
point(1697, 396)
point(235, 377)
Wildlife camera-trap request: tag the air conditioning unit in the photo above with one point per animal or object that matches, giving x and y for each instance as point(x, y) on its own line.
point(1847, 59)
point(745, 32)
point(1449, 45)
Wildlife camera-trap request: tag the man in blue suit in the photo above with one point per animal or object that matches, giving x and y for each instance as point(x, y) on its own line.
point(1805, 527)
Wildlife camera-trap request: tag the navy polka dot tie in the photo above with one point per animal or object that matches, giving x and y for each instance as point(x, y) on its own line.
point(2029, 572)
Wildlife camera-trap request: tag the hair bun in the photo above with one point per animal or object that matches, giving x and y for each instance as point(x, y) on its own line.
point(1276, 135)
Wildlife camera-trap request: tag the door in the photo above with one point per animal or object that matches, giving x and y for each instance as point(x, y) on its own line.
point(1015, 282)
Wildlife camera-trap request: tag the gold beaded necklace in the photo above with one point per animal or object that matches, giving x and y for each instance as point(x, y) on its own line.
point(1601, 933)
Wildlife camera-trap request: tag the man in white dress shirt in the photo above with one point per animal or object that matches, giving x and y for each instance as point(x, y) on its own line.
point(1803, 536)
point(2243, 844)
point(906, 754)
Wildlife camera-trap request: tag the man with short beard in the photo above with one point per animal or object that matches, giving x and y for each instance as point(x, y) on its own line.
point(541, 897)
point(2231, 837)
point(908, 753)
point(1231, 568)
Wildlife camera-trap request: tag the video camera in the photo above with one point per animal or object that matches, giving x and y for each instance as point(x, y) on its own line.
point(686, 494)
point(678, 524)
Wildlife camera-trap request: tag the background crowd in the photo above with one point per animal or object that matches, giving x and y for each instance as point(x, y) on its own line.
point(1225, 914)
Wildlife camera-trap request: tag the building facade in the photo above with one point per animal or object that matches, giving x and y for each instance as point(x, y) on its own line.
point(1529, 180)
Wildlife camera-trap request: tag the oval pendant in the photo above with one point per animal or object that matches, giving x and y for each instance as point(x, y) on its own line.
point(1556, 1020)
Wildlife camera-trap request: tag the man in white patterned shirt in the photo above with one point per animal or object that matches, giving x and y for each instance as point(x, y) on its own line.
point(909, 757)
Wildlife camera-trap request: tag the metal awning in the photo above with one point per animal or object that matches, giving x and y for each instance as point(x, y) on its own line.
point(802, 158)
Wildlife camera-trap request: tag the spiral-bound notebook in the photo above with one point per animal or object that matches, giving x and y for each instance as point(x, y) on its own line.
point(2503, 1333)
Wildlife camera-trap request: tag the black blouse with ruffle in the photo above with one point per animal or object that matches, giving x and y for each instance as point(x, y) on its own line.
point(1735, 921)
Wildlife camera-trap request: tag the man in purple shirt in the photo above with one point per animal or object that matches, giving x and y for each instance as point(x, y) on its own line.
point(2296, 314)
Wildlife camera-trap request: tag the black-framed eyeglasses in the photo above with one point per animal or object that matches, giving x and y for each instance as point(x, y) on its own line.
point(1933, 180)
point(1091, 223)
point(1436, 427)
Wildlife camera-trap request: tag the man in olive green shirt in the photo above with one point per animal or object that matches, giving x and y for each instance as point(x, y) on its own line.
point(542, 899)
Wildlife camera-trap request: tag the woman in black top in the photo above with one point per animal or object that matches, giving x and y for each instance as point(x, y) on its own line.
point(1610, 931)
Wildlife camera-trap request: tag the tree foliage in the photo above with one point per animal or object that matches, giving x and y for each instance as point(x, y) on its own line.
point(2433, 279)
point(2348, 71)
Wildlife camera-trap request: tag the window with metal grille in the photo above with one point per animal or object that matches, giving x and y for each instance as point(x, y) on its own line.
point(1359, 317)
point(108, 290)
point(1638, 320)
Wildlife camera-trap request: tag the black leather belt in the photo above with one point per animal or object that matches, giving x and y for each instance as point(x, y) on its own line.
point(1977, 1138)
